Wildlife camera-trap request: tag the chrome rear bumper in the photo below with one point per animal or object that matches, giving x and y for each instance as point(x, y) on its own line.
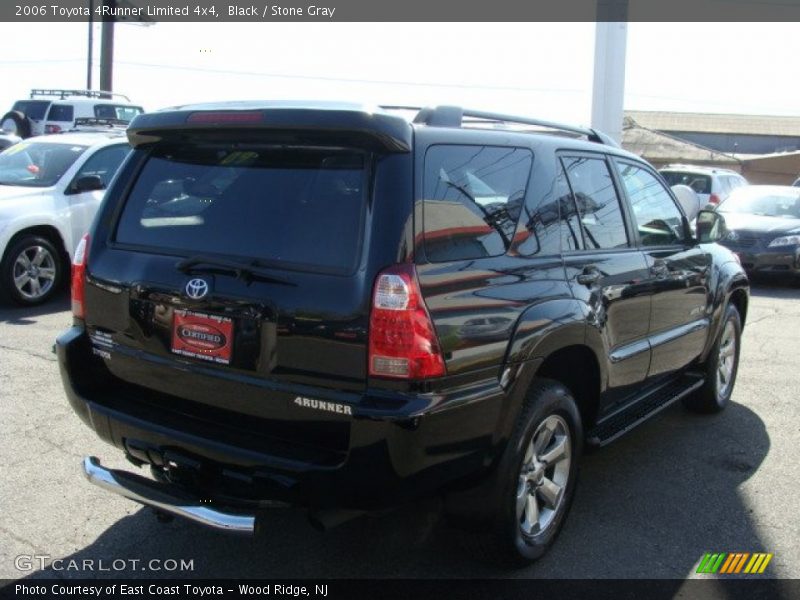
point(164, 498)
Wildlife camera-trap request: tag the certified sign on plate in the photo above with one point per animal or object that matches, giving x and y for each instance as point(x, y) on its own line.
point(199, 335)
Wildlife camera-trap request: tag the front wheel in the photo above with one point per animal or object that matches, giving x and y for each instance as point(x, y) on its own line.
point(721, 367)
point(539, 475)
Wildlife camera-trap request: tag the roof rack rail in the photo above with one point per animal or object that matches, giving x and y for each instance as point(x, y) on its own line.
point(455, 116)
point(97, 122)
point(62, 94)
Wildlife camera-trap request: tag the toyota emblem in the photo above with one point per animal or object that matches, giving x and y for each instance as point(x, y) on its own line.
point(197, 288)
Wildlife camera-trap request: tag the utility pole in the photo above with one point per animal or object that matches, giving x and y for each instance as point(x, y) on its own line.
point(107, 50)
point(608, 94)
point(91, 46)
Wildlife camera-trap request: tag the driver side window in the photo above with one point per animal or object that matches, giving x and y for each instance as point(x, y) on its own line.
point(658, 219)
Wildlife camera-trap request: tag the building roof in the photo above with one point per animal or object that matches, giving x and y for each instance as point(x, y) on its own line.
point(661, 148)
point(717, 123)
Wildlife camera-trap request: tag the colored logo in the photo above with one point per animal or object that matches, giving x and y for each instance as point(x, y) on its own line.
point(197, 289)
point(734, 563)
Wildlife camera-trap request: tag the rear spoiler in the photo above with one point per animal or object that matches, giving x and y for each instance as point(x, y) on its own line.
point(379, 130)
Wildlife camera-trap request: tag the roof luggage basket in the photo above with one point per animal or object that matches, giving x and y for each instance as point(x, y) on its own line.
point(455, 116)
point(62, 94)
point(94, 124)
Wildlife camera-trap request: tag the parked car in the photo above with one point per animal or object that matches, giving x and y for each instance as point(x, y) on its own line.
point(302, 304)
point(54, 111)
point(711, 184)
point(763, 223)
point(50, 188)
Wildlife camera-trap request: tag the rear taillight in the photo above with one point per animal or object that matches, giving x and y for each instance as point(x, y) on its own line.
point(714, 199)
point(402, 340)
point(52, 129)
point(79, 277)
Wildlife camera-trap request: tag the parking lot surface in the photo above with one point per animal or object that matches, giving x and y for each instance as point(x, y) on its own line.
point(648, 506)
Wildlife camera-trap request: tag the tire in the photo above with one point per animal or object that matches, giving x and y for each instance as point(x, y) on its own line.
point(721, 367)
point(527, 487)
point(17, 123)
point(32, 271)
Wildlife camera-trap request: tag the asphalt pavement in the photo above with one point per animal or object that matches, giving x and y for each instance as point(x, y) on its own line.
point(648, 506)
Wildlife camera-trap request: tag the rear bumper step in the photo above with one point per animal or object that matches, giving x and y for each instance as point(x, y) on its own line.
point(164, 498)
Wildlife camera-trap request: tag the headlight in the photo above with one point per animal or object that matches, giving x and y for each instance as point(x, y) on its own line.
point(786, 240)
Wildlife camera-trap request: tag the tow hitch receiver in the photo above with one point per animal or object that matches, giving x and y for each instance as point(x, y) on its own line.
point(165, 498)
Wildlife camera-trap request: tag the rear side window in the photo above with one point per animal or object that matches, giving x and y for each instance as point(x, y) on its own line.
point(473, 196)
point(61, 112)
point(597, 202)
point(294, 208)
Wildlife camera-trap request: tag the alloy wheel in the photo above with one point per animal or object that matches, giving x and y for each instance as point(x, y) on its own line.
point(34, 272)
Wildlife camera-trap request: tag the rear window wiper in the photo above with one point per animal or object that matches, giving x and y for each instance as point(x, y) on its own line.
point(246, 271)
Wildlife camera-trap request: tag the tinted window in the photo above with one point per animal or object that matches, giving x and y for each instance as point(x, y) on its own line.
point(700, 183)
point(657, 218)
point(115, 111)
point(473, 196)
point(104, 163)
point(61, 112)
point(33, 109)
point(298, 208)
point(596, 202)
point(553, 226)
point(33, 164)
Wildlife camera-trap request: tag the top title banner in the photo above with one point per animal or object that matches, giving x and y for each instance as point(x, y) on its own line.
point(406, 10)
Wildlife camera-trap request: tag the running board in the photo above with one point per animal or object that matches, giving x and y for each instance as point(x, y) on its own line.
point(638, 412)
point(165, 498)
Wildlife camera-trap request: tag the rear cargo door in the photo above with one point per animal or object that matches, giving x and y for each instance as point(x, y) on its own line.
point(230, 266)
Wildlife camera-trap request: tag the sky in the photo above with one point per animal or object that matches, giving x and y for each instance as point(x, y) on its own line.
point(538, 69)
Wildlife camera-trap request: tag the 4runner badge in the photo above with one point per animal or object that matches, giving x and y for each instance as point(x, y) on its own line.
point(342, 409)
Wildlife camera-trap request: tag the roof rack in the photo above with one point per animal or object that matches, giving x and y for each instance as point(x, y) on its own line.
point(62, 94)
point(97, 123)
point(455, 116)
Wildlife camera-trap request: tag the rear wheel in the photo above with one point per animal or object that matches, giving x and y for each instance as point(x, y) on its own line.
point(32, 271)
point(16, 123)
point(721, 367)
point(539, 474)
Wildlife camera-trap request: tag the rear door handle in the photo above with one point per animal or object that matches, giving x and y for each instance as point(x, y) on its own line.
point(589, 276)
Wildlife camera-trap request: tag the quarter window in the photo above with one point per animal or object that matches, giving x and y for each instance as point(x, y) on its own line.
point(473, 196)
point(596, 202)
point(657, 218)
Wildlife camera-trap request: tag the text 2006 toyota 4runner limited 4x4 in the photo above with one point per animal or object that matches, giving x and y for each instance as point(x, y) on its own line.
point(337, 308)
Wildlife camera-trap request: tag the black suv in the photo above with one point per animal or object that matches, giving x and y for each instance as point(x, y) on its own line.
point(344, 309)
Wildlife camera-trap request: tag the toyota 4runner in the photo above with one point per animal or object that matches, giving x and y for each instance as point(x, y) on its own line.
point(342, 309)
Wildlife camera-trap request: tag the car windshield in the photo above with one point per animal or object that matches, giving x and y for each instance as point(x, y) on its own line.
point(36, 164)
point(764, 202)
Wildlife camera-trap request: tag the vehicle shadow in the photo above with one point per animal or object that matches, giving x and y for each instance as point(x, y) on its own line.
point(21, 315)
point(774, 287)
point(649, 506)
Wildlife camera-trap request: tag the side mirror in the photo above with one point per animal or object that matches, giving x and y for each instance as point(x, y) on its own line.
point(88, 183)
point(710, 226)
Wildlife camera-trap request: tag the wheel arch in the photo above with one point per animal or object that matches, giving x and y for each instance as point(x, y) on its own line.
point(51, 232)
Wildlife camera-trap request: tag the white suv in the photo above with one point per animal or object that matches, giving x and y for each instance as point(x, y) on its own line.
point(712, 185)
point(54, 111)
point(50, 189)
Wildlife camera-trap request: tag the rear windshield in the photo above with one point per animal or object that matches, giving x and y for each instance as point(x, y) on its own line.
point(700, 183)
point(116, 111)
point(37, 164)
point(295, 208)
point(33, 109)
